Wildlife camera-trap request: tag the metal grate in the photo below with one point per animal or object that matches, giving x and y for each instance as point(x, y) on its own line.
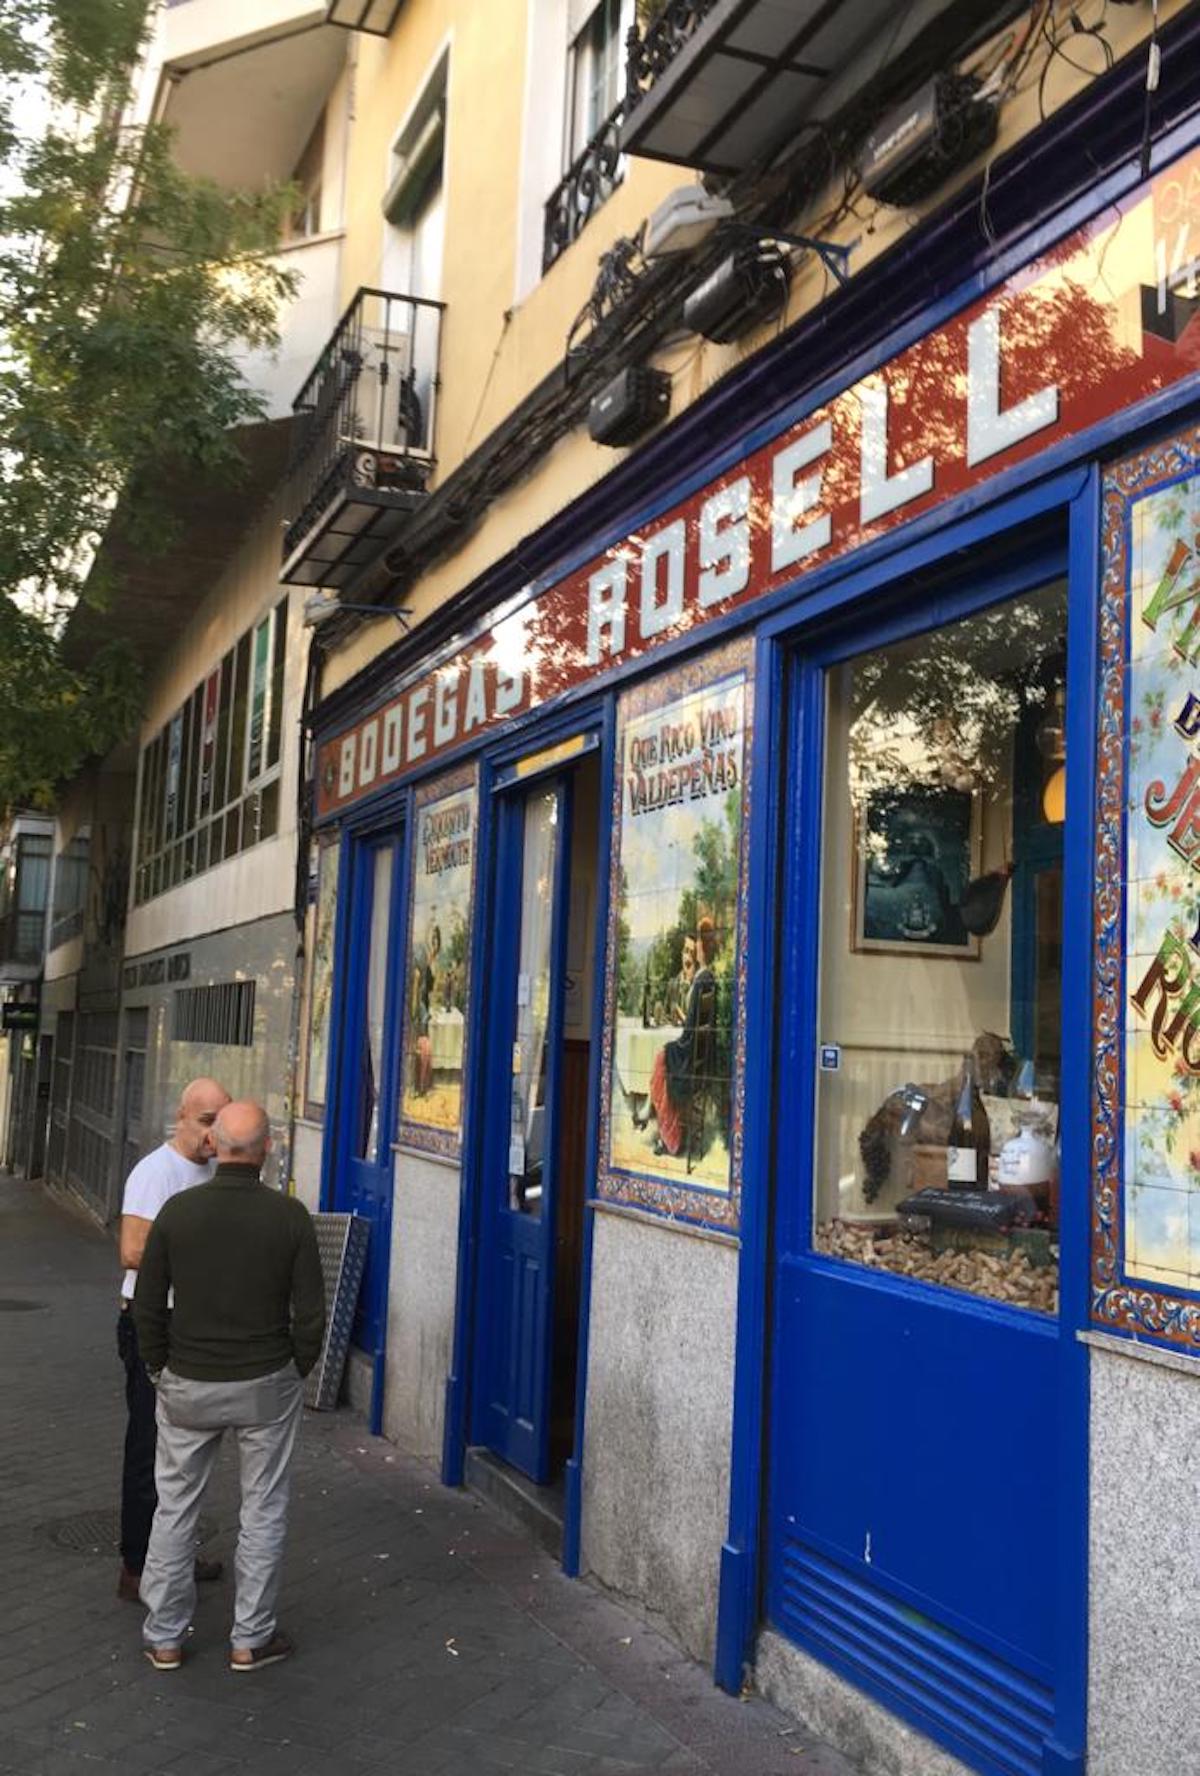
point(996, 1717)
point(99, 1532)
point(218, 1015)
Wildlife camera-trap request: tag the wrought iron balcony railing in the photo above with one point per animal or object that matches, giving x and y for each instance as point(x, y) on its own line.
point(651, 51)
point(362, 444)
point(589, 182)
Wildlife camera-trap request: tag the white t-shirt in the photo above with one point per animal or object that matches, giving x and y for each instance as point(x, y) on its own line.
point(154, 1181)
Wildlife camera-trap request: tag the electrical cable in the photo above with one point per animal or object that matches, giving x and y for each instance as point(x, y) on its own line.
point(1153, 74)
point(487, 381)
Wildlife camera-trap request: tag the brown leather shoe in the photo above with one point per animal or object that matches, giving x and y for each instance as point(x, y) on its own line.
point(164, 1658)
point(280, 1646)
point(208, 1570)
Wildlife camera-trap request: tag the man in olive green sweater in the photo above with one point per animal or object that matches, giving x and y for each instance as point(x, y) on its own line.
point(245, 1327)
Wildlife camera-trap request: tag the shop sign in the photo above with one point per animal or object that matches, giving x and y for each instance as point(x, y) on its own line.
point(19, 1014)
point(433, 1053)
point(1101, 321)
point(1146, 1100)
point(672, 1091)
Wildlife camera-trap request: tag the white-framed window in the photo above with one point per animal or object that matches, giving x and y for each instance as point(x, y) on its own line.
point(308, 178)
point(413, 207)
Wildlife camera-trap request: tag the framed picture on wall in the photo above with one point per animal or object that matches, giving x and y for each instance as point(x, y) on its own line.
point(916, 848)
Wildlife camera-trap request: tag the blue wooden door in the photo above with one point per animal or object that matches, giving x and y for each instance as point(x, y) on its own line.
point(521, 1125)
point(916, 1496)
point(363, 1162)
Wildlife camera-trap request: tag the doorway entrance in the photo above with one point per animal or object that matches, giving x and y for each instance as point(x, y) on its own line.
point(362, 1171)
point(540, 982)
point(919, 1483)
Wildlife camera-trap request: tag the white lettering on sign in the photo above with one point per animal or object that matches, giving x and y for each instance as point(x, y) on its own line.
point(418, 740)
point(606, 610)
point(666, 545)
point(393, 739)
point(793, 496)
point(989, 430)
point(1178, 273)
point(725, 543)
point(476, 708)
point(346, 773)
point(445, 710)
point(368, 753)
point(880, 492)
point(510, 691)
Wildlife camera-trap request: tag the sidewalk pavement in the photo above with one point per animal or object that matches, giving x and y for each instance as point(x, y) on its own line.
point(433, 1640)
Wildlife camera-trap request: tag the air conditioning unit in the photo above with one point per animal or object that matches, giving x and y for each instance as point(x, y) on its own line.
point(918, 145)
point(629, 405)
point(748, 287)
point(684, 218)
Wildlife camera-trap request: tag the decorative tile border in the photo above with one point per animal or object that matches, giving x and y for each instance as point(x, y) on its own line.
point(1120, 1304)
point(446, 1143)
point(699, 1207)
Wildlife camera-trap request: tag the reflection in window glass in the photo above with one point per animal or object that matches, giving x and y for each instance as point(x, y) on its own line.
point(372, 1046)
point(937, 1133)
point(320, 990)
point(526, 1153)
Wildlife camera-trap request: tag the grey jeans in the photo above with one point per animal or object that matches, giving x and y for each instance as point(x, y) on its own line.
point(193, 1416)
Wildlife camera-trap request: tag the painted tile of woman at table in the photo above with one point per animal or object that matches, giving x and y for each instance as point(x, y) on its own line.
point(681, 985)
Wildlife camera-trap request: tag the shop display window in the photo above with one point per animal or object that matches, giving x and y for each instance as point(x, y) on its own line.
point(436, 979)
point(937, 1145)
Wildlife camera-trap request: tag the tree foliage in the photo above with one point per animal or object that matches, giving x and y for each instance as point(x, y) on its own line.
point(126, 287)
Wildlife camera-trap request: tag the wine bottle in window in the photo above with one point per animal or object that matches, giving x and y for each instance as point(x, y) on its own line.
point(970, 1137)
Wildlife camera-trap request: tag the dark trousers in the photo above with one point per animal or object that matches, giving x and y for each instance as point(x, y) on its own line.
point(138, 1497)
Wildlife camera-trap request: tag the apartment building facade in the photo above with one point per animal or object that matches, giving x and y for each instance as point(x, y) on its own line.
point(717, 892)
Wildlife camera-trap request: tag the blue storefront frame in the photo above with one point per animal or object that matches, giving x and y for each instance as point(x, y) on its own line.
point(1070, 504)
point(593, 723)
point(380, 824)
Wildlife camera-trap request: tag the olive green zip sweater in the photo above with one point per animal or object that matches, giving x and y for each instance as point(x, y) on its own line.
point(244, 1265)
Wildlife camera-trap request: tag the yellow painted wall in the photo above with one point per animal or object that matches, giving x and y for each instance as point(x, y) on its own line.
point(489, 363)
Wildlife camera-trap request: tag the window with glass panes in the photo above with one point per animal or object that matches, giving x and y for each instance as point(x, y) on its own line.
point(209, 780)
point(595, 75)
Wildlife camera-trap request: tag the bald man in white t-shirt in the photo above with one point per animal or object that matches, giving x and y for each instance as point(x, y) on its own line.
point(186, 1159)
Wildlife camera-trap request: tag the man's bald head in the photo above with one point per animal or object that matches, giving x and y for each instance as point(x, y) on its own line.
point(242, 1133)
point(200, 1103)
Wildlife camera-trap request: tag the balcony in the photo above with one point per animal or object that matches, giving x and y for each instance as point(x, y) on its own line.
point(21, 938)
point(24, 888)
point(721, 85)
point(362, 438)
point(589, 182)
point(243, 86)
point(375, 17)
